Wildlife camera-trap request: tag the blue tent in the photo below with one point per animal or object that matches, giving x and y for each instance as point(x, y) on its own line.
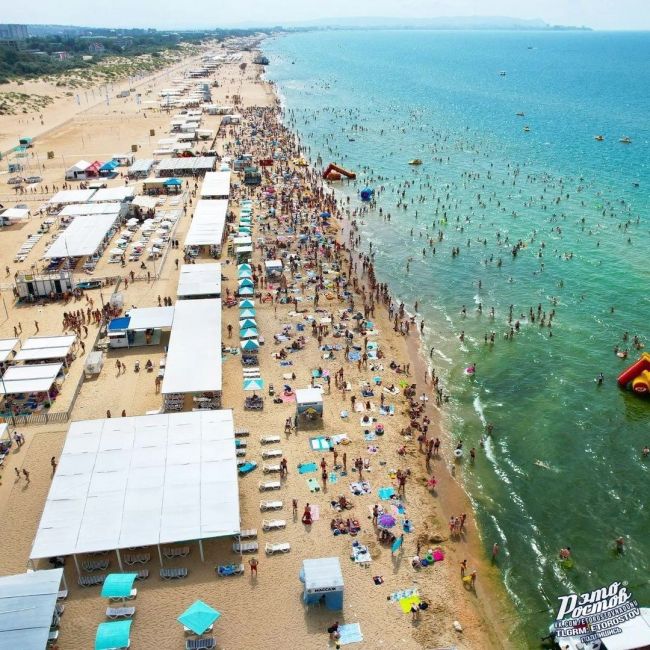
point(118, 585)
point(173, 181)
point(114, 635)
point(323, 579)
point(198, 617)
point(367, 193)
point(109, 166)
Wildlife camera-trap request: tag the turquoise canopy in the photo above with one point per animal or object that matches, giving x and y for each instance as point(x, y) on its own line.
point(253, 384)
point(244, 267)
point(246, 304)
point(247, 322)
point(246, 291)
point(248, 333)
point(173, 181)
point(250, 344)
point(244, 274)
point(245, 282)
point(118, 585)
point(113, 635)
point(246, 313)
point(198, 617)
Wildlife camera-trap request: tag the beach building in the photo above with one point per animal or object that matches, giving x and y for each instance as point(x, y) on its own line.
point(46, 348)
point(142, 326)
point(199, 281)
point(145, 481)
point(208, 226)
point(32, 286)
point(216, 185)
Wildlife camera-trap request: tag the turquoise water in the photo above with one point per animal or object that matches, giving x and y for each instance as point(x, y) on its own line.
point(564, 465)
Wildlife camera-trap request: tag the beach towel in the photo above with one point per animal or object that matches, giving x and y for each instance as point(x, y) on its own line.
point(387, 410)
point(353, 356)
point(360, 487)
point(360, 554)
point(369, 435)
point(307, 468)
point(315, 512)
point(319, 443)
point(350, 633)
point(288, 399)
point(405, 603)
point(340, 439)
point(396, 545)
point(312, 484)
point(385, 493)
point(358, 407)
point(377, 380)
point(286, 363)
point(404, 593)
point(333, 478)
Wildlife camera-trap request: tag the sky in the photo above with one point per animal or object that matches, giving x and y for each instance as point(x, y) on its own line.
point(165, 14)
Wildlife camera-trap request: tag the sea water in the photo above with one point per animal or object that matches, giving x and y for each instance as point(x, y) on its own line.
point(564, 465)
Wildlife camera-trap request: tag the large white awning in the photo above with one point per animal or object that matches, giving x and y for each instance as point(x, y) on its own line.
point(82, 237)
point(208, 223)
point(120, 193)
point(145, 318)
point(29, 379)
point(194, 353)
point(72, 196)
point(141, 481)
point(6, 348)
point(45, 347)
point(197, 280)
point(216, 185)
point(76, 209)
point(27, 602)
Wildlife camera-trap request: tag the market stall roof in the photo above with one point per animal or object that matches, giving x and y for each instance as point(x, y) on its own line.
point(309, 395)
point(141, 166)
point(208, 223)
point(140, 481)
point(191, 164)
point(273, 264)
point(41, 342)
point(27, 602)
point(144, 318)
point(16, 214)
point(216, 185)
point(45, 347)
point(194, 351)
point(199, 280)
point(29, 379)
point(120, 193)
point(71, 196)
point(79, 166)
point(82, 237)
point(86, 209)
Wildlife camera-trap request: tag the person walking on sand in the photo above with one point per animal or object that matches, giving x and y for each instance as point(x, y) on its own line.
point(53, 463)
point(495, 552)
point(253, 564)
point(375, 514)
point(17, 473)
point(26, 475)
point(463, 568)
point(294, 503)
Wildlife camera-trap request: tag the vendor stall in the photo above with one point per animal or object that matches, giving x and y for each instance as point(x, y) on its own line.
point(309, 404)
point(323, 582)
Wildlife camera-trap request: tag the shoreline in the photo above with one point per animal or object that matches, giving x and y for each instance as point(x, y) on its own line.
point(492, 600)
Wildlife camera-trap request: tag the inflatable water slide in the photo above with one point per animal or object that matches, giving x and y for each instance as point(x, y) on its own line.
point(334, 172)
point(637, 376)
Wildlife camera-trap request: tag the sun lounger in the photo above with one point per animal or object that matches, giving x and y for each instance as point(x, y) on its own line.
point(52, 636)
point(173, 574)
point(272, 453)
point(200, 644)
point(274, 524)
point(269, 440)
point(248, 533)
point(131, 596)
point(176, 551)
point(272, 549)
point(242, 433)
point(241, 453)
point(119, 612)
point(246, 468)
point(62, 595)
point(59, 608)
point(143, 574)
point(271, 505)
point(95, 565)
point(227, 570)
point(271, 469)
point(270, 485)
point(91, 581)
point(245, 547)
point(141, 558)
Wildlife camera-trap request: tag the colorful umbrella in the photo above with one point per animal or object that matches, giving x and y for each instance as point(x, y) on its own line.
point(253, 384)
point(198, 617)
point(386, 521)
point(113, 635)
point(118, 585)
point(246, 304)
point(250, 345)
point(248, 333)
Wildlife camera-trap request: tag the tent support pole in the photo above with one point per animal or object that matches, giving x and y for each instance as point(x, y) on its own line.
point(76, 563)
point(119, 558)
point(160, 555)
point(201, 550)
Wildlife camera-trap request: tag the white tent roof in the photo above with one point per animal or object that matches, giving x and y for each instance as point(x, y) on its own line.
point(141, 165)
point(198, 163)
point(149, 202)
point(194, 352)
point(309, 395)
point(72, 196)
point(6, 348)
point(208, 223)
point(80, 166)
point(41, 342)
point(273, 264)
point(151, 317)
point(199, 280)
point(77, 209)
point(120, 193)
point(43, 353)
point(27, 602)
point(16, 214)
point(29, 379)
point(322, 575)
point(82, 237)
point(216, 185)
point(139, 481)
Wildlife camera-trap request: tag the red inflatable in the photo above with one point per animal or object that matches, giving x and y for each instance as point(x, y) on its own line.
point(333, 170)
point(637, 375)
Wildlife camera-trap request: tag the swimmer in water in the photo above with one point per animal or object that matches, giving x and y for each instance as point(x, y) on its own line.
point(600, 379)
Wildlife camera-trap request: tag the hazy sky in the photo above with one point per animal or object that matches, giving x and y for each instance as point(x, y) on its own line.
point(599, 14)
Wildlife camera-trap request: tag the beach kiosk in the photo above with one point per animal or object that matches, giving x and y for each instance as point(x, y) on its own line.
point(309, 404)
point(323, 582)
point(273, 269)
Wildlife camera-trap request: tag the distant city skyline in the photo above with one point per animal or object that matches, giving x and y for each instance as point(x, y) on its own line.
point(163, 14)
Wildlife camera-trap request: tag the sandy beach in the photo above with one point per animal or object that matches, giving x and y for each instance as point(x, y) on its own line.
point(267, 610)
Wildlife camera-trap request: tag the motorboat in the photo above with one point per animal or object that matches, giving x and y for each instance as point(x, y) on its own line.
point(625, 140)
point(600, 138)
point(415, 161)
point(520, 114)
point(526, 129)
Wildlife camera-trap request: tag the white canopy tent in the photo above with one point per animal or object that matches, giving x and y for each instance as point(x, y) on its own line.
point(216, 185)
point(7, 346)
point(142, 481)
point(121, 193)
point(197, 280)
point(41, 342)
point(208, 223)
point(76, 209)
point(82, 237)
point(145, 318)
point(194, 352)
point(71, 196)
point(147, 202)
point(29, 379)
point(15, 214)
point(27, 602)
point(45, 347)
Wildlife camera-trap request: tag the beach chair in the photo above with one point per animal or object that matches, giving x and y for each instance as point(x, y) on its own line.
point(206, 643)
point(59, 608)
point(176, 551)
point(271, 469)
point(115, 613)
point(62, 595)
point(242, 433)
point(272, 453)
point(143, 574)
point(270, 485)
point(131, 596)
point(272, 549)
point(273, 524)
point(248, 533)
point(247, 467)
point(141, 558)
point(269, 440)
point(240, 453)
point(265, 506)
point(95, 565)
point(52, 636)
point(173, 574)
point(245, 547)
point(227, 570)
point(92, 581)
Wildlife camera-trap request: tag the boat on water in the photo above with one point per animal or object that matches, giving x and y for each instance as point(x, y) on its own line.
point(520, 114)
point(625, 140)
point(600, 138)
point(415, 161)
point(526, 129)
point(502, 73)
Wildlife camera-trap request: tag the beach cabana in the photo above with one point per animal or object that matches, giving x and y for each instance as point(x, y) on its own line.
point(7, 347)
point(244, 274)
point(113, 636)
point(208, 225)
point(119, 585)
point(37, 378)
point(273, 268)
point(246, 314)
point(247, 322)
point(244, 267)
point(198, 617)
point(323, 581)
point(309, 403)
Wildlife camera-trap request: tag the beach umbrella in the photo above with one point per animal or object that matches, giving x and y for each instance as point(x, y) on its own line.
point(246, 304)
point(386, 521)
point(246, 313)
point(253, 384)
point(248, 333)
point(116, 251)
point(173, 181)
point(118, 585)
point(113, 635)
point(244, 267)
point(250, 345)
point(244, 275)
point(403, 383)
point(198, 617)
point(246, 291)
point(247, 322)
point(245, 282)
